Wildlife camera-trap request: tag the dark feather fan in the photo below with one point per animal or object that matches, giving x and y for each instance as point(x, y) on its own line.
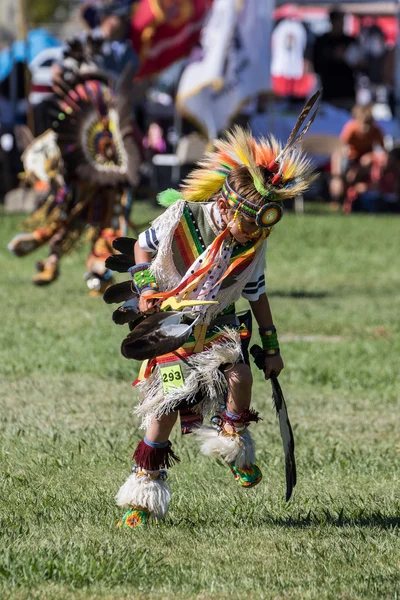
point(286, 435)
point(157, 334)
point(127, 313)
point(124, 245)
point(119, 262)
point(284, 424)
point(119, 292)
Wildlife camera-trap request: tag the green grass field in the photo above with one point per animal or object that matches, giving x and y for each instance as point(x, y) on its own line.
point(67, 434)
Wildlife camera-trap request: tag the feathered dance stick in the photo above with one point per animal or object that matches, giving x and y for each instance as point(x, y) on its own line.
point(284, 424)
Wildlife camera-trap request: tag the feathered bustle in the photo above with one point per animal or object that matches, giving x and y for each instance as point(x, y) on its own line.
point(95, 130)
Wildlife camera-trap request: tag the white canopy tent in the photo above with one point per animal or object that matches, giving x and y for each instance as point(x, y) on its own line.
point(357, 7)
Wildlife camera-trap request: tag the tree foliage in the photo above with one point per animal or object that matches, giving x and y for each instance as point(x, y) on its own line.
point(43, 11)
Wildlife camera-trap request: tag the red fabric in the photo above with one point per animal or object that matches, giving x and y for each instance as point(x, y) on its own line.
point(164, 31)
point(299, 88)
point(153, 459)
point(35, 87)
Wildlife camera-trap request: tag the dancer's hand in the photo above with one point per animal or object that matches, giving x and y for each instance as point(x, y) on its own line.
point(147, 303)
point(273, 364)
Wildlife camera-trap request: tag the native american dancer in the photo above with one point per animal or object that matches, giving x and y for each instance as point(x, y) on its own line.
point(187, 271)
point(90, 162)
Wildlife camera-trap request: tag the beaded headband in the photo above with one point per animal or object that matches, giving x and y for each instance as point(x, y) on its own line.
point(265, 216)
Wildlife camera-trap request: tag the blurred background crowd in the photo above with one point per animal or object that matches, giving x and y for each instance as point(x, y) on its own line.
point(203, 65)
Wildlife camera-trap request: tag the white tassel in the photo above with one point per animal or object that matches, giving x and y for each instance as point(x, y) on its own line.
point(238, 449)
point(152, 494)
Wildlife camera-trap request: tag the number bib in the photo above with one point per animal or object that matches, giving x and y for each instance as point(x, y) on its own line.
point(171, 377)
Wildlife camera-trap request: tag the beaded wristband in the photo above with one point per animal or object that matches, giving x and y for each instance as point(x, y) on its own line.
point(269, 340)
point(143, 279)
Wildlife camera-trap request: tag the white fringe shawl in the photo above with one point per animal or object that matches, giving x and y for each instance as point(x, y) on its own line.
point(162, 266)
point(167, 276)
point(204, 376)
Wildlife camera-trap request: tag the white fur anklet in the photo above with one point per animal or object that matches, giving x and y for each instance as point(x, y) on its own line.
point(144, 491)
point(238, 448)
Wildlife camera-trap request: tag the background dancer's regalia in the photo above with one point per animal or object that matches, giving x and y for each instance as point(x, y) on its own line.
point(90, 161)
point(205, 251)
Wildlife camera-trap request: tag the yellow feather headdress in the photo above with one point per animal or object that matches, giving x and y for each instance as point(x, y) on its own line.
point(278, 172)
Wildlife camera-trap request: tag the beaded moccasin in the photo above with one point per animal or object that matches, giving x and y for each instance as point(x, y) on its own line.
point(247, 476)
point(134, 517)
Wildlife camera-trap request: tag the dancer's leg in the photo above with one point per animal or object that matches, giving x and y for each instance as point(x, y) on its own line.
point(146, 493)
point(231, 439)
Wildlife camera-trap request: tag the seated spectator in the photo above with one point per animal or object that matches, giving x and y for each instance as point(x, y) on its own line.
point(361, 134)
point(362, 138)
point(376, 186)
point(390, 181)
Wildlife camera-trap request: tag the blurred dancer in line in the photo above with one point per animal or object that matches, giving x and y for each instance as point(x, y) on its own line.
point(90, 162)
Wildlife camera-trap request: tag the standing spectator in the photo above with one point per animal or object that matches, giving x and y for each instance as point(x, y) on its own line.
point(117, 50)
point(335, 56)
point(114, 49)
point(288, 66)
point(154, 141)
point(374, 49)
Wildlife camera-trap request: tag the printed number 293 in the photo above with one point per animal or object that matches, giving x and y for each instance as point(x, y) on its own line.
point(171, 377)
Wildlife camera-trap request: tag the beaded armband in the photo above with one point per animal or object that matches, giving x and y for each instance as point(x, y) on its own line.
point(269, 340)
point(143, 279)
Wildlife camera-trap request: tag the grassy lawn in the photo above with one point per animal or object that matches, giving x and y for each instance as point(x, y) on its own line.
point(67, 434)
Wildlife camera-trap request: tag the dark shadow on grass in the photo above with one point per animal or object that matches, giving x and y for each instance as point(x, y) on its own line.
point(299, 294)
point(300, 522)
point(375, 519)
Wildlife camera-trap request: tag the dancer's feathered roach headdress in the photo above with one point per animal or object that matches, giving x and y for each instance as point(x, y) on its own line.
point(278, 173)
point(94, 127)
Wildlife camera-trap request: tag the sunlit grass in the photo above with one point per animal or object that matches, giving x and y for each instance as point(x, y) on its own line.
point(67, 434)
